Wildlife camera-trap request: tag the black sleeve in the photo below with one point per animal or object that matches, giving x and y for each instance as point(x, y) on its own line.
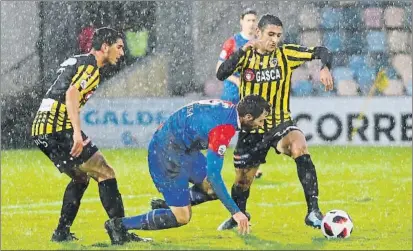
point(228, 67)
point(325, 55)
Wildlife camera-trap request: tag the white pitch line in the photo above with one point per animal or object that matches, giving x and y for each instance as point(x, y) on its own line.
point(59, 203)
point(57, 212)
point(328, 183)
point(296, 203)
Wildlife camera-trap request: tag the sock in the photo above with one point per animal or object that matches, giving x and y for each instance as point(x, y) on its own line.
point(240, 197)
point(308, 178)
point(154, 220)
point(71, 203)
point(111, 198)
point(198, 196)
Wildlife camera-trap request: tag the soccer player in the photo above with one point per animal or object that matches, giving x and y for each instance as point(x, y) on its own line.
point(266, 69)
point(175, 159)
point(248, 22)
point(57, 132)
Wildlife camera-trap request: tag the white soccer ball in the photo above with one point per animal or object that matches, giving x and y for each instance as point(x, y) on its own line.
point(336, 224)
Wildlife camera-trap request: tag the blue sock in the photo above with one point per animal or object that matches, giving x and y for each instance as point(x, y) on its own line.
point(154, 220)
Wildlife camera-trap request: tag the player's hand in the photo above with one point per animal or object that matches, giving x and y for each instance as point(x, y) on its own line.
point(326, 79)
point(255, 44)
point(243, 224)
point(77, 144)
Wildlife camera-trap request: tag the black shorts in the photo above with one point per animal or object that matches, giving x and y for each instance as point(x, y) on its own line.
point(57, 148)
point(258, 144)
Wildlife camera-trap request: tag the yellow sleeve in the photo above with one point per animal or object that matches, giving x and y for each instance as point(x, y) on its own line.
point(297, 55)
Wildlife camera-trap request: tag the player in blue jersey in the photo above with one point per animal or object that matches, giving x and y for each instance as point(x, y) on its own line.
point(248, 22)
point(175, 159)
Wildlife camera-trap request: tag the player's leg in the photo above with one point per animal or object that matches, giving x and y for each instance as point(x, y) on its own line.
point(176, 195)
point(196, 166)
point(98, 168)
point(294, 145)
point(245, 172)
point(71, 203)
point(57, 148)
point(240, 193)
point(178, 213)
point(201, 191)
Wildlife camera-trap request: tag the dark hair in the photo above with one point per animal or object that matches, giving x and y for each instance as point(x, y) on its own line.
point(105, 35)
point(269, 19)
point(254, 105)
point(248, 11)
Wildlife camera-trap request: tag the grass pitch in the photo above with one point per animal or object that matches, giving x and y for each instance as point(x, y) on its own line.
point(373, 184)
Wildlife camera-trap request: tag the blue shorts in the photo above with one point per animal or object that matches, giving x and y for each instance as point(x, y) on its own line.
point(172, 171)
point(230, 92)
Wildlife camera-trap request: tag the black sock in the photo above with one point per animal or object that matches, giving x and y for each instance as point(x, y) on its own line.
point(198, 196)
point(111, 198)
point(308, 178)
point(71, 203)
point(240, 197)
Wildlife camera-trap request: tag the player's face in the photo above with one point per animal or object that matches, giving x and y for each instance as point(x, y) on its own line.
point(115, 51)
point(271, 36)
point(249, 24)
point(251, 123)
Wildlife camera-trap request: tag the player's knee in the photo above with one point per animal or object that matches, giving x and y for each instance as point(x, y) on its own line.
point(104, 170)
point(298, 148)
point(109, 172)
point(183, 217)
point(81, 179)
point(78, 176)
point(106, 173)
point(244, 185)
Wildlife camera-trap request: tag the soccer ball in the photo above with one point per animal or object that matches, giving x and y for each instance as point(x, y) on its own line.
point(336, 224)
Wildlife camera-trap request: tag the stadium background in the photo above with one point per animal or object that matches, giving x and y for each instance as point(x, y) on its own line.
point(173, 48)
point(172, 51)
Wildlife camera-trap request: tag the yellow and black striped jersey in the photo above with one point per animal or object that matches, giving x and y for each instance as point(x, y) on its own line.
point(269, 75)
point(80, 71)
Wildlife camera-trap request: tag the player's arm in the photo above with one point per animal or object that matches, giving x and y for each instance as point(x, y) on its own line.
point(298, 55)
point(227, 50)
point(218, 141)
point(234, 79)
point(232, 64)
point(326, 58)
point(72, 106)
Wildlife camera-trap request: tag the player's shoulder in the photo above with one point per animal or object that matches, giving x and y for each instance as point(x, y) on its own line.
point(78, 60)
point(296, 47)
point(228, 113)
point(85, 59)
point(289, 46)
point(230, 40)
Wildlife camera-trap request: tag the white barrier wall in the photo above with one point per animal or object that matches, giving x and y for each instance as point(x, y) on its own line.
point(123, 122)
